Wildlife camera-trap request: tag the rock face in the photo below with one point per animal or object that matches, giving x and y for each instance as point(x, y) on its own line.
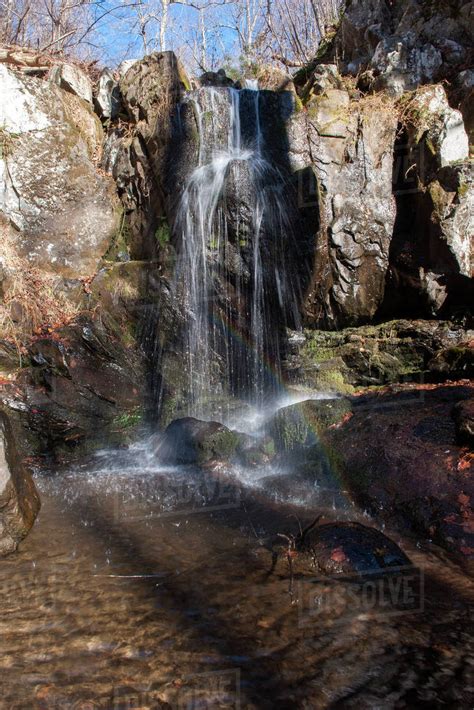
point(342, 151)
point(405, 44)
point(397, 351)
point(432, 259)
point(63, 210)
point(138, 161)
point(19, 501)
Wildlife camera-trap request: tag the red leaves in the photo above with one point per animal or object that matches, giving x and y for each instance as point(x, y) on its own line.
point(343, 421)
point(338, 555)
point(464, 463)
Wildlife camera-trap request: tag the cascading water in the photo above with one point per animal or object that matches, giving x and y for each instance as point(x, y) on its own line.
point(233, 228)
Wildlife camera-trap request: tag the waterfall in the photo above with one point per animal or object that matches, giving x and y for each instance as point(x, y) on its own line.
point(232, 228)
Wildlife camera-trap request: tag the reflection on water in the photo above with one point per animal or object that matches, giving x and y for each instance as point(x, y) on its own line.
point(141, 586)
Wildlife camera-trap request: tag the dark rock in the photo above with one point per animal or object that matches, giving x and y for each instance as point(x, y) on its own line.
point(85, 386)
point(192, 441)
point(217, 78)
point(19, 501)
point(399, 458)
point(351, 548)
point(463, 415)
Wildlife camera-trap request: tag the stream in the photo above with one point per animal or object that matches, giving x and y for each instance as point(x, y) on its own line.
point(144, 587)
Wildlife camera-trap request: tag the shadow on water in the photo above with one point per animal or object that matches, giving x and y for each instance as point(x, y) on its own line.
point(141, 602)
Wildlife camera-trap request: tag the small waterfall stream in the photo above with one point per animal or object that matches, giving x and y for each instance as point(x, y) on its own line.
point(234, 227)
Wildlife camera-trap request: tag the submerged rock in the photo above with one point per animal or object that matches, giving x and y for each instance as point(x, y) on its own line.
point(19, 501)
point(348, 548)
point(192, 441)
point(463, 415)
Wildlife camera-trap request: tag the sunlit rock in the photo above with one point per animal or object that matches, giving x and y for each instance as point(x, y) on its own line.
point(19, 501)
point(71, 78)
point(65, 211)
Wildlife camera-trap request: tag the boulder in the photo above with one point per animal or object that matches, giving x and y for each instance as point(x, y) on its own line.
point(441, 125)
point(63, 210)
point(107, 98)
point(271, 78)
point(216, 78)
point(298, 426)
point(351, 548)
point(322, 78)
point(192, 441)
point(463, 414)
point(71, 78)
point(19, 501)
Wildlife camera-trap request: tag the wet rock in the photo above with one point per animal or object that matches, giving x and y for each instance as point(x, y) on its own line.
point(63, 210)
point(19, 501)
point(376, 355)
point(463, 414)
point(351, 548)
point(192, 441)
point(399, 457)
point(70, 78)
point(297, 427)
point(85, 387)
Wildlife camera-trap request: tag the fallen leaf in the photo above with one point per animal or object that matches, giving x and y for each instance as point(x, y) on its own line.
point(338, 555)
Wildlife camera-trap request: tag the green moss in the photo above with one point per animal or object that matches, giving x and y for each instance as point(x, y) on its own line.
point(463, 189)
point(163, 232)
point(7, 142)
point(120, 240)
point(183, 77)
point(128, 420)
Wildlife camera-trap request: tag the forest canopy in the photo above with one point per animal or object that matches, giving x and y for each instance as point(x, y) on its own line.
point(205, 34)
